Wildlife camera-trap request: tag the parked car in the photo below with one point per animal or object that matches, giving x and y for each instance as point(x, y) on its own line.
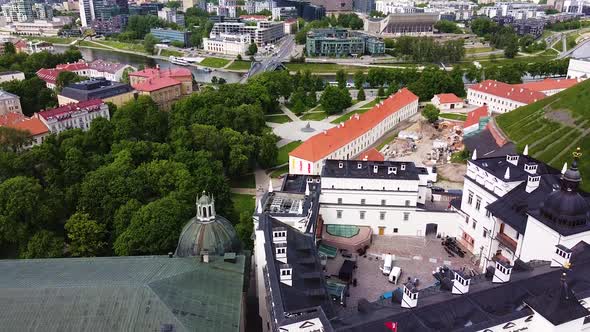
point(387, 264)
point(394, 275)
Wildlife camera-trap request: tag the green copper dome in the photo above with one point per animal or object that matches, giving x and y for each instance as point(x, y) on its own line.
point(207, 231)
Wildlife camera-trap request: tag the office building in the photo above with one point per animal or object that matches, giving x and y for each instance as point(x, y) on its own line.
point(148, 8)
point(283, 13)
point(363, 6)
point(170, 15)
point(21, 11)
point(334, 6)
point(98, 88)
point(42, 11)
point(414, 24)
point(169, 35)
point(8, 76)
point(342, 43)
point(263, 33)
point(232, 44)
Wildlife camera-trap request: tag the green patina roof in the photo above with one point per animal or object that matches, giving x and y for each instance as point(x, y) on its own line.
point(121, 294)
point(342, 230)
point(217, 236)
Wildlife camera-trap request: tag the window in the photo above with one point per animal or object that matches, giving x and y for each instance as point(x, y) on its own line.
point(395, 230)
point(474, 223)
point(485, 233)
point(382, 202)
point(488, 213)
point(478, 203)
point(407, 203)
point(362, 215)
point(339, 214)
point(339, 200)
point(362, 201)
point(470, 198)
point(381, 215)
point(406, 216)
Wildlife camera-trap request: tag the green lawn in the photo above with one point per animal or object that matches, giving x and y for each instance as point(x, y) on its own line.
point(170, 53)
point(453, 116)
point(473, 50)
point(549, 140)
point(281, 118)
point(214, 62)
point(243, 203)
point(135, 47)
point(83, 43)
point(245, 181)
point(239, 65)
point(372, 103)
point(322, 67)
point(347, 116)
point(386, 141)
point(284, 150)
point(315, 116)
point(53, 40)
point(279, 171)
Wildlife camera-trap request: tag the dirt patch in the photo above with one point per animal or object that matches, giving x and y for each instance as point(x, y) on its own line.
point(452, 172)
point(561, 116)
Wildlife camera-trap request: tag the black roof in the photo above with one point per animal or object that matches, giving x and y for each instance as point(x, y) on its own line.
point(351, 169)
point(95, 89)
point(486, 145)
point(486, 304)
point(497, 166)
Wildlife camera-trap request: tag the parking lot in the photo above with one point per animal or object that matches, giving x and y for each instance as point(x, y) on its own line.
point(416, 256)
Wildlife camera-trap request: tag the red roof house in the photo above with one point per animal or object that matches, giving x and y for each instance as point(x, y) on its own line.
point(472, 123)
point(371, 155)
point(447, 101)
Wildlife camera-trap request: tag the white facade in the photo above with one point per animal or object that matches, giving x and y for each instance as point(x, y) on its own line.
point(38, 28)
point(445, 106)
point(397, 7)
point(496, 104)
point(12, 76)
point(9, 103)
point(579, 68)
point(80, 118)
point(227, 44)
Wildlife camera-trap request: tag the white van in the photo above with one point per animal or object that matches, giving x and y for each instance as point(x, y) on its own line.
point(387, 264)
point(396, 272)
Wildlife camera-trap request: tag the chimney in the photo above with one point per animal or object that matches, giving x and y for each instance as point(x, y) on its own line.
point(270, 188)
point(532, 183)
point(279, 235)
point(205, 256)
point(410, 296)
point(375, 169)
point(561, 257)
point(460, 283)
point(530, 168)
point(285, 271)
point(502, 272)
point(281, 252)
point(513, 159)
point(340, 165)
point(474, 155)
point(391, 170)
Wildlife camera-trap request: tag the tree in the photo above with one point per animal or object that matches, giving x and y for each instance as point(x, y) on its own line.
point(335, 100)
point(239, 57)
point(511, 48)
point(430, 112)
point(381, 92)
point(12, 139)
point(174, 4)
point(85, 235)
point(125, 75)
point(149, 43)
point(65, 78)
point(445, 26)
point(375, 13)
point(34, 94)
point(361, 95)
point(252, 49)
point(9, 48)
point(341, 78)
point(359, 79)
point(44, 244)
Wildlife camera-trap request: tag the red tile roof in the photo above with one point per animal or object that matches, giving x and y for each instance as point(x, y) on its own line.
point(447, 98)
point(32, 125)
point(90, 105)
point(155, 72)
point(11, 118)
point(371, 155)
point(48, 75)
point(153, 84)
point(549, 84)
point(72, 66)
point(321, 145)
point(508, 91)
point(473, 116)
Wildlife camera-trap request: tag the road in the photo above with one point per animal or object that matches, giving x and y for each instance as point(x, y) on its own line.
point(285, 49)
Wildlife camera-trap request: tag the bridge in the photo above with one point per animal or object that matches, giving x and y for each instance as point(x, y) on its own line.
point(258, 67)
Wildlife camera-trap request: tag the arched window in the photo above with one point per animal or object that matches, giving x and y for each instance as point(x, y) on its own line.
point(204, 212)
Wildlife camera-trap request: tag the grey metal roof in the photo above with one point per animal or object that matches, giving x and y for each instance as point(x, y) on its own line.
point(148, 293)
point(7, 95)
point(351, 169)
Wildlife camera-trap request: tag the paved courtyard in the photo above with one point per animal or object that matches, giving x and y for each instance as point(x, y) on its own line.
point(418, 257)
point(292, 130)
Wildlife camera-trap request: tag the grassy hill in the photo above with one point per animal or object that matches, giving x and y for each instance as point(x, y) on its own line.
point(554, 127)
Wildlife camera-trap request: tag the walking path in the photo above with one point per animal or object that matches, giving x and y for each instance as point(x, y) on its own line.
point(290, 114)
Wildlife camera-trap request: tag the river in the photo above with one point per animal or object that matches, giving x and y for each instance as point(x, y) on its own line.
point(200, 76)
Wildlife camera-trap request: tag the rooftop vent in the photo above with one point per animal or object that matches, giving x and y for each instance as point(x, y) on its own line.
point(561, 256)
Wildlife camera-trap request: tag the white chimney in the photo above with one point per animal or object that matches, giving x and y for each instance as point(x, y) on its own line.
point(307, 189)
point(259, 208)
point(410, 297)
point(474, 155)
point(532, 183)
point(561, 256)
point(526, 150)
point(460, 283)
point(530, 168)
point(513, 159)
point(564, 169)
point(507, 174)
point(375, 169)
point(502, 272)
point(391, 170)
point(279, 235)
point(285, 271)
point(281, 252)
point(270, 188)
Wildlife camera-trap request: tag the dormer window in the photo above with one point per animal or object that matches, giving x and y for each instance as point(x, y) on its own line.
point(403, 167)
point(359, 165)
point(375, 169)
point(530, 168)
point(340, 165)
point(391, 170)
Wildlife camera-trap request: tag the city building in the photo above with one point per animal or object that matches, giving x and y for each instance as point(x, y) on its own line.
point(102, 10)
point(263, 33)
point(341, 43)
point(95, 69)
point(36, 129)
point(291, 26)
point(146, 8)
point(98, 88)
point(396, 7)
point(170, 15)
point(334, 6)
point(363, 6)
point(501, 97)
point(476, 121)
point(169, 35)
point(447, 101)
point(549, 86)
point(9, 103)
point(165, 86)
point(371, 154)
point(232, 44)
point(39, 27)
point(352, 137)
point(8, 76)
point(20, 11)
point(253, 6)
point(42, 11)
point(172, 292)
point(412, 24)
point(283, 13)
point(110, 25)
point(579, 68)
point(78, 115)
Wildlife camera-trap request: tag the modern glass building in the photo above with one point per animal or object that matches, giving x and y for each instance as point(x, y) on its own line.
point(169, 35)
point(341, 43)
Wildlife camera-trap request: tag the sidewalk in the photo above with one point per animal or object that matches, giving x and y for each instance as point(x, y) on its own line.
point(290, 114)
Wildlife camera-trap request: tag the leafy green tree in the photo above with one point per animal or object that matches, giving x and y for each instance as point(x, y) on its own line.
point(86, 236)
point(359, 79)
point(361, 94)
point(9, 48)
point(65, 78)
point(140, 25)
point(511, 48)
point(174, 4)
point(239, 57)
point(252, 49)
point(33, 93)
point(446, 26)
point(341, 78)
point(125, 75)
point(483, 26)
point(381, 92)
point(149, 43)
point(335, 100)
point(13, 139)
point(376, 13)
point(267, 150)
point(430, 112)
point(44, 244)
